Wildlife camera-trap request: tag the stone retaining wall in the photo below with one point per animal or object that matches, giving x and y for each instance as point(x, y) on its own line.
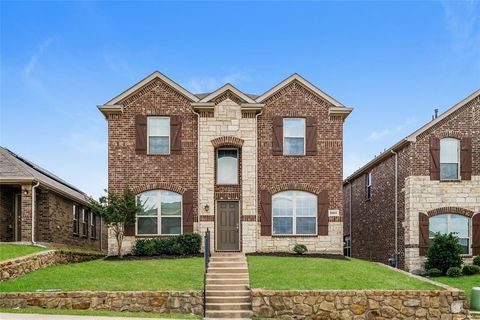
point(16, 267)
point(366, 304)
point(148, 301)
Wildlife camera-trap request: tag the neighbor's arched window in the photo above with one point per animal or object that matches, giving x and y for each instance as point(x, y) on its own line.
point(449, 159)
point(161, 214)
point(294, 213)
point(448, 223)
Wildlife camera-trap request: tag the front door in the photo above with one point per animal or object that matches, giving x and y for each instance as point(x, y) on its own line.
point(228, 222)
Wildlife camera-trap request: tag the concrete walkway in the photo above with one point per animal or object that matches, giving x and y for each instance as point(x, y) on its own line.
point(24, 316)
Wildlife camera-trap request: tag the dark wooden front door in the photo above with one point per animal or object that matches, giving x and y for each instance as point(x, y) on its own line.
point(228, 222)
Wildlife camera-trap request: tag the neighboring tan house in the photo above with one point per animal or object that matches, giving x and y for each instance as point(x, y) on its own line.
point(262, 173)
point(60, 214)
point(428, 182)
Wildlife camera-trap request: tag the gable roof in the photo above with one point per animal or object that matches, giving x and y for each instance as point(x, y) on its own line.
point(411, 138)
point(303, 81)
point(16, 169)
point(225, 88)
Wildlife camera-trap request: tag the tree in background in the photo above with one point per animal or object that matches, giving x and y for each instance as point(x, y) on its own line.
point(118, 211)
point(444, 252)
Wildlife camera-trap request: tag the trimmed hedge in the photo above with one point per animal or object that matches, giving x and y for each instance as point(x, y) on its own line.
point(476, 261)
point(182, 245)
point(434, 272)
point(468, 269)
point(454, 272)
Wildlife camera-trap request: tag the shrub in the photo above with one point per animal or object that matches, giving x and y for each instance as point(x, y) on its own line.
point(444, 252)
point(300, 249)
point(468, 270)
point(434, 272)
point(476, 261)
point(454, 272)
point(185, 244)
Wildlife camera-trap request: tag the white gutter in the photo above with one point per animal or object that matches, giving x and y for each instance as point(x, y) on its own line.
point(396, 207)
point(33, 211)
point(255, 199)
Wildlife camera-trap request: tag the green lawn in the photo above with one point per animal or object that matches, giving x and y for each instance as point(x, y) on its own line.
point(465, 283)
point(102, 313)
point(9, 251)
point(291, 273)
point(114, 275)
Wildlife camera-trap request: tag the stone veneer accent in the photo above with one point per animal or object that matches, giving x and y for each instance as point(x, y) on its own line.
point(360, 304)
point(148, 301)
point(13, 268)
point(424, 195)
point(228, 127)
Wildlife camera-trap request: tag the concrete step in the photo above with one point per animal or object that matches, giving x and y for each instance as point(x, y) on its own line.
point(227, 264)
point(227, 287)
point(227, 275)
point(228, 293)
point(229, 314)
point(221, 258)
point(227, 254)
point(228, 299)
point(227, 270)
point(244, 281)
point(228, 306)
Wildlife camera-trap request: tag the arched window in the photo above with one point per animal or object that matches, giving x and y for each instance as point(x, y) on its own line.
point(451, 223)
point(449, 159)
point(162, 213)
point(294, 213)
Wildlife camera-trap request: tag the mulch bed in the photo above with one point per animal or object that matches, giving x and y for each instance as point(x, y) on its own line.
point(132, 257)
point(294, 255)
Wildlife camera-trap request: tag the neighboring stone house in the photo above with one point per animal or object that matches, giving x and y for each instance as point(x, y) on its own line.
point(428, 182)
point(262, 173)
point(37, 206)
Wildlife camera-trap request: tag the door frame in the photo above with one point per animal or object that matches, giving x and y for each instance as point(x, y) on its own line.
point(17, 207)
point(216, 225)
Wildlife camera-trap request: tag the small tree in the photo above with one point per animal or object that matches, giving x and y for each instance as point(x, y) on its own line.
point(118, 211)
point(444, 252)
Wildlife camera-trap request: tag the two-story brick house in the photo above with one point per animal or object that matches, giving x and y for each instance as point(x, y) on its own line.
point(262, 173)
point(426, 183)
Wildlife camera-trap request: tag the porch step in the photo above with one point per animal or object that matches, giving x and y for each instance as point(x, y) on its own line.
point(227, 287)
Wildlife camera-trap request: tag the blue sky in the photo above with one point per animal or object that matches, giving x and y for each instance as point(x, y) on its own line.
point(394, 62)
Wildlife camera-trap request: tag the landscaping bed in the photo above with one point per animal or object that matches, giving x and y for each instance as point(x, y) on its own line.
point(109, 275)
point(290, 254)
point(303, 273)
point(11, 251)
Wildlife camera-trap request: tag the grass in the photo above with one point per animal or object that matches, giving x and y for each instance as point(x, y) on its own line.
point(114, 275)
point(465, 283)
point(10, 251)
point(292, 273)
point(102, 313)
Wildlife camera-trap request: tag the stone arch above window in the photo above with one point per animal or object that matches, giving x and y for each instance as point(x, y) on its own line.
point(447, 210)
point(227, 141)
point(295, 186)
point(450, 134)
point(159, 186)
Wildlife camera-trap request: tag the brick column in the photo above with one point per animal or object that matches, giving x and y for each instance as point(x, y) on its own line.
point(26, 213)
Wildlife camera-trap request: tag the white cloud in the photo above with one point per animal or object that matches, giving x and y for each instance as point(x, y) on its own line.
point(209, 84)
point(29, 67)
point(377, 135)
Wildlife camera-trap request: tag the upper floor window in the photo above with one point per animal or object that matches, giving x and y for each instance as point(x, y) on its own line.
point(227, 166)
point(158, 131)
point(368, 185)
point(449, 159)
point(294, 213)
point(451, 223)
point(162, 213)
point(294, 136)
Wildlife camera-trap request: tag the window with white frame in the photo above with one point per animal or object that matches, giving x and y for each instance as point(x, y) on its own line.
point(294, 213)
point(368, 185)
point(294, 136)
point(449, 159)
point(75, 219)
point(452, 223)
point(227, 166)
point(158, 131)
point(161, 214)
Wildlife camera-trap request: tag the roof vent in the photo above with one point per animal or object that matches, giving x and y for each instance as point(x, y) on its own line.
point(435, 114)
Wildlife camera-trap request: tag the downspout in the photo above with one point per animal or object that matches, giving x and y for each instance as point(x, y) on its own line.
point(396, 207)
point(33, 211)
point(350, 214)
point(198, 169)
point(255, 199)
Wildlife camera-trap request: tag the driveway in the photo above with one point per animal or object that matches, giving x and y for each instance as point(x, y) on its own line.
point(23, 316)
